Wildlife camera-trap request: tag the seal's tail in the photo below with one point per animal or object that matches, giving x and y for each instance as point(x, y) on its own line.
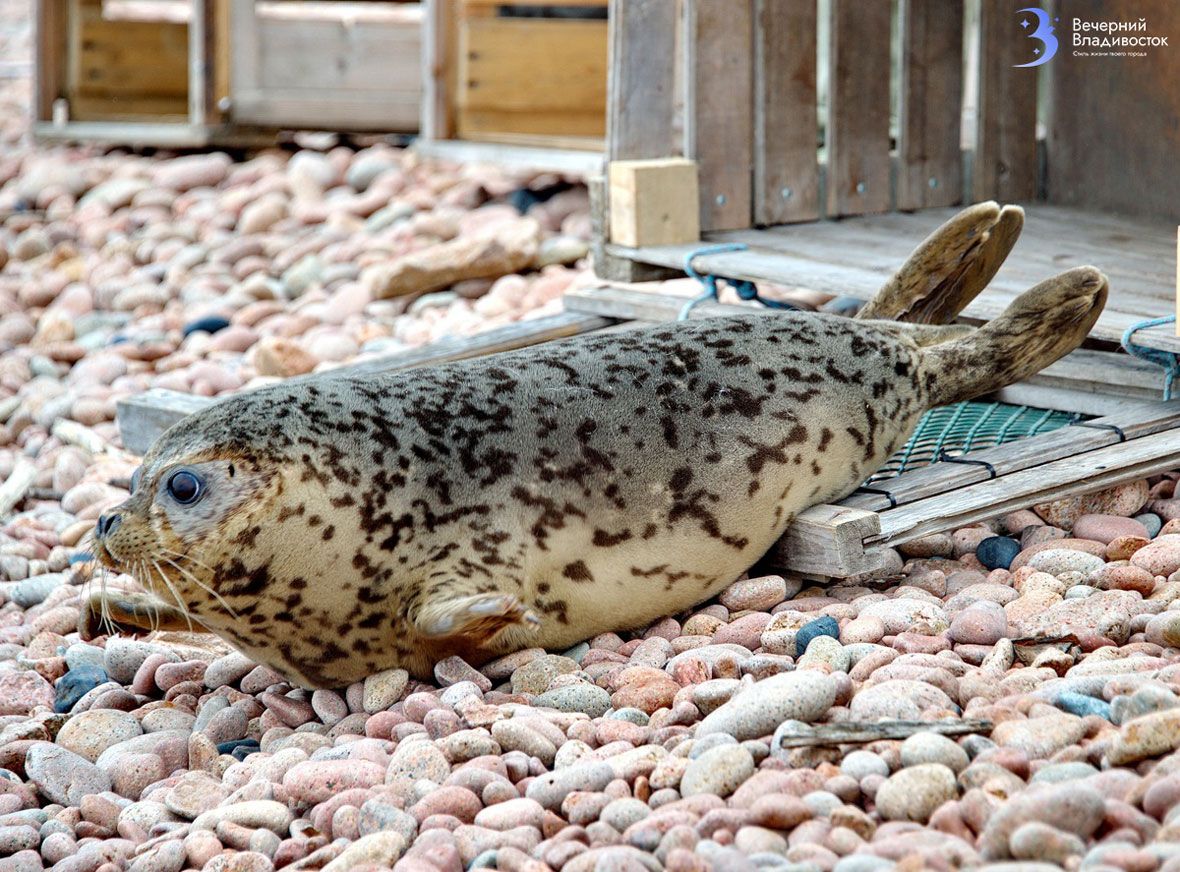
point(1040, 326)
point(949, 269)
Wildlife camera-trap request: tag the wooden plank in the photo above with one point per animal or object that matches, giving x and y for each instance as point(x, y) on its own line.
point(786, 126)
point(829, 540)
point(606, 266)
point(1005, 162)
point(641, 80)
point(1041, 396)
point(142, 418)
point(719, 133)
point(1083, 473)
point(653, 202)
point(557, 160)
point(1104, 150)
point(858, 107)
point(534, 65)
point(930, 103)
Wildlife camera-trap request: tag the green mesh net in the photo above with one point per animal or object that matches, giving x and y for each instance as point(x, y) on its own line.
point(963, 427)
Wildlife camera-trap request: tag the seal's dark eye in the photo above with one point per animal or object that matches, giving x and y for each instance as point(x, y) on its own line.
point(135, 478)
point(184, 487)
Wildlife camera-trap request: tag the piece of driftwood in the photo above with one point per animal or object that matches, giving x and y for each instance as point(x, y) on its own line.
point(17, 485)
point(143, 417)
point(862, 732)
point(509, 249)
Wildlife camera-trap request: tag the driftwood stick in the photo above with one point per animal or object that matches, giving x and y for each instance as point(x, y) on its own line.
point(852, 732)
point(16, 485)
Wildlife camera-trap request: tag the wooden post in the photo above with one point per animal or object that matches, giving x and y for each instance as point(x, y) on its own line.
point(437, 65)
point(640, 122)
point(49, 61)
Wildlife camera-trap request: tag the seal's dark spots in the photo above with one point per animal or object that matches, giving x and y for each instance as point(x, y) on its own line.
point(231, 470)
point(577, 571)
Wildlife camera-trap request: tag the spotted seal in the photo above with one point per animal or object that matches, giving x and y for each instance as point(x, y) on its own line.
point(334, 527)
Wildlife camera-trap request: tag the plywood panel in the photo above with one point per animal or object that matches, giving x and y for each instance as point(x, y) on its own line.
point(786, 168)
point(858, 107)
point(930, 167)
point(1114, 122)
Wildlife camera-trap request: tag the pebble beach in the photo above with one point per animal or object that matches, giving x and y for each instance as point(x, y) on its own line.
point(1033, 660)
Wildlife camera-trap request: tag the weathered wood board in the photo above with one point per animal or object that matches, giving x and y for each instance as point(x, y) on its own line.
point(143, 417)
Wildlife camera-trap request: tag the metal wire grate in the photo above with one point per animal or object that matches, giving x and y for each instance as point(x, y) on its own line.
point(962, 427)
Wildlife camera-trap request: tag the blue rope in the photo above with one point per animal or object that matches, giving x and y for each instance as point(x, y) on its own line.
point(1167, 359)
point(745, 289)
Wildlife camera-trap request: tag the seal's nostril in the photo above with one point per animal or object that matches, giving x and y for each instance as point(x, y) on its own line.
point(107, 524)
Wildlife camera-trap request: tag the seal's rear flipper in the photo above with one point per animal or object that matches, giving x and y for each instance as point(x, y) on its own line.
point(949, 269)
point(475, 620)
point(1040, 326)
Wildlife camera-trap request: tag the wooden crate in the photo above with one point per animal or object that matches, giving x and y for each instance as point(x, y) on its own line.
point(117, 70)
point(194, 73)
point(731, 84)
point(497, 77)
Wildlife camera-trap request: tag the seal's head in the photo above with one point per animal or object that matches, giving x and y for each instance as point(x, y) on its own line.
point(232, 527)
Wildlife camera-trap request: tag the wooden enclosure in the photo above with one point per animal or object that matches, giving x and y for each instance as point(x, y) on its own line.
point(529, 73)
point(192, 73)
point(833, 200)
point(826, 150)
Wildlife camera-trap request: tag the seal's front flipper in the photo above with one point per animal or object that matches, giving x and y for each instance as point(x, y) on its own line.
point(1040, 326)
point(476, 619)
point(128, 614)
point(949, 269)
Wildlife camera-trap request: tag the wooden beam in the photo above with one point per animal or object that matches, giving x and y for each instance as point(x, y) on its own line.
point(49, 57)
point(143, 417)
point(828, 539)
point(1069, 476)
point(653, 202)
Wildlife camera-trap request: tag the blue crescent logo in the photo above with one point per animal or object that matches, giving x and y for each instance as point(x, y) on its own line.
point(1043, 34)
